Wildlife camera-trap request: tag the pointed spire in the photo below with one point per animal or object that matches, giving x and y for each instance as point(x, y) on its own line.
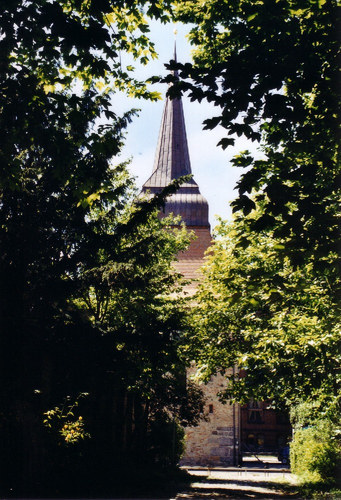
point(172, 156)
point(172, 161)
point(175, 31)
point(175, 72)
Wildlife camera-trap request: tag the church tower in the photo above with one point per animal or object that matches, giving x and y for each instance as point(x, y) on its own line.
point(215, 440)
point(171, 162)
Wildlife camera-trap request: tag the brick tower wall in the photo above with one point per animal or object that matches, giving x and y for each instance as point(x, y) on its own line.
point(190, 261)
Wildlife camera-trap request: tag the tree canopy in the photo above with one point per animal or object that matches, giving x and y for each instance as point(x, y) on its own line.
point(278, 323)
point(271, 69)
point(85, 271)
point(89, 326)
point(269, 301)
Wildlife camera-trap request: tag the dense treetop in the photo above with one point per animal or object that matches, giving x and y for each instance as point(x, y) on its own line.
point(269, 300)
point(272, 70)
point(277, 322)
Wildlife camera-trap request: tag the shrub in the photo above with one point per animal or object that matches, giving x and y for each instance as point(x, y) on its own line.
point(315, 453)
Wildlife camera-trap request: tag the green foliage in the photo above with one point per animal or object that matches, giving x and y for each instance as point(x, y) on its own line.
point(60, 42)
point(277, 322)
point(87, 285)
point(166, 442)
point(269, 303)
point(315, 453)
point(64, 422)
point(270, 67)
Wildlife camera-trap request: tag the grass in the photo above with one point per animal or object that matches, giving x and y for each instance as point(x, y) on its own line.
point(310, 490)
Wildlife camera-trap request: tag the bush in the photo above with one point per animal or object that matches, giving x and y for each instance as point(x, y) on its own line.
point(315, 453)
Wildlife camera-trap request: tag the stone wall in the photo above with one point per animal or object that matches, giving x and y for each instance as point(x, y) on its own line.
point(215, 441)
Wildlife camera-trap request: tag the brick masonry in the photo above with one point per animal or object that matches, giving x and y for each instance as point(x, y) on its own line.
point(190, 261)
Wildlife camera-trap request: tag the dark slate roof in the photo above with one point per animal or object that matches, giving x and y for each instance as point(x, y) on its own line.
point(172, 161)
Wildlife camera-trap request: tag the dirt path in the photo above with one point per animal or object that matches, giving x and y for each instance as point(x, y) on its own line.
point(249, 481)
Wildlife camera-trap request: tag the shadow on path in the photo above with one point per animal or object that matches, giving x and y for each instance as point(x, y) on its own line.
point(249, 481)
point(219, 489)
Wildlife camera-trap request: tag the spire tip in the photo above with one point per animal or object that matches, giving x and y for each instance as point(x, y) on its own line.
point(175, 58)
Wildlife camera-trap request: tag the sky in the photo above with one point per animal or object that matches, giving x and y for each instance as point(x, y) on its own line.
point(211, 166)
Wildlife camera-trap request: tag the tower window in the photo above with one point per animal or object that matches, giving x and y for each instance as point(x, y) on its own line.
point(210, 408)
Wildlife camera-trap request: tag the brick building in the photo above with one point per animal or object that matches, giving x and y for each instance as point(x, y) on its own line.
point(216, 440)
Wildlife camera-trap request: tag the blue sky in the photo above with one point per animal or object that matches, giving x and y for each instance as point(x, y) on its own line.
point(210, 164)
